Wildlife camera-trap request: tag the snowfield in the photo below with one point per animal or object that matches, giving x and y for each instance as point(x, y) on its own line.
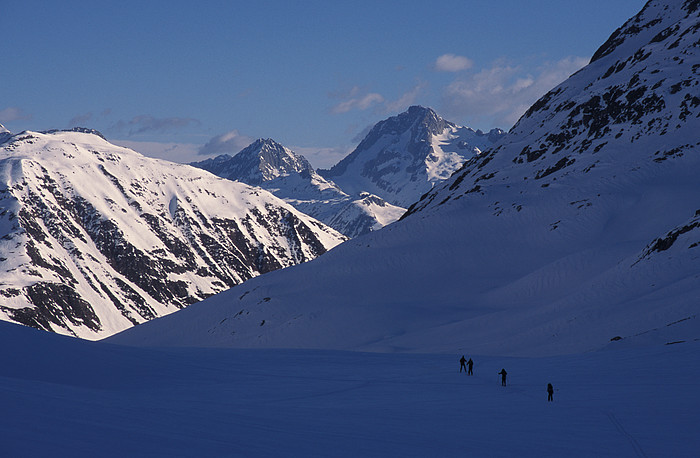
point(67, 397)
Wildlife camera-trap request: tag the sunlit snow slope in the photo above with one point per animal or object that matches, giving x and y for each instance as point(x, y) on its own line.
point(95, 238)
point(581, 229)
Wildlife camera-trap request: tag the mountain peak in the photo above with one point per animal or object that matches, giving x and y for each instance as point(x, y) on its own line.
point(4, 134)
point(261, 161)
point(649, 26)
point(266, 144)
point(403, 156)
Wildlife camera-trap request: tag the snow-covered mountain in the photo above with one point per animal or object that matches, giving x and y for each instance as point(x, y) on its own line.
point(404, 156)
point(95, 238)
point(262, 161)
point(289, 176)
point(579, 231)
point(366, 214)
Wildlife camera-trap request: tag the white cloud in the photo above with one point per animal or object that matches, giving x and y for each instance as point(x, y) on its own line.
point(356, 100)
point(407, 99)
point(229, 143)
point(503, 92)
point(10, 114)
point(452, 63)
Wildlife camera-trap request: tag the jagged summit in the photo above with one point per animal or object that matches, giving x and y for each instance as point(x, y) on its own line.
point(417, 120)
point(261, 161)
point(84, 130)
point(289, 176)
point(403, 156)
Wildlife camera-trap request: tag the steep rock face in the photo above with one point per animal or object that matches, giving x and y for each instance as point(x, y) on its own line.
point(577, 232)
point(402, 157)
point(275, 168)
point(95, 238)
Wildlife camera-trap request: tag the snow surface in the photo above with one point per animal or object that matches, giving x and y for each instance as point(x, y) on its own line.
point(66, 397)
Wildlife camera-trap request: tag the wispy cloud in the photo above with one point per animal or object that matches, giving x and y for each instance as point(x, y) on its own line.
point(230, 143)
point(407, 99)
point(503, 92)
point(356, 99)
point(452, 63)
point(146, 123)
point(360, 100)
point(10, 114)
point(80, 120)
point(176, 152)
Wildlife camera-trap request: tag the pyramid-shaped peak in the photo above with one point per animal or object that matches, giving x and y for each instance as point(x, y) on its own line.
point(261, 161)
point(268, 150)
point(417, 119)
point(266, 143)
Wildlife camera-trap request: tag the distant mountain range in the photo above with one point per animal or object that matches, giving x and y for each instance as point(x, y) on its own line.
point(95, 238)
point(577, 231)
point(399, 160)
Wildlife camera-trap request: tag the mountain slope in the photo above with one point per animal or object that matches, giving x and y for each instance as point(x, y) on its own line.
point(289, 176)
point(96, 238)
point(577, 232)
point(402, 157)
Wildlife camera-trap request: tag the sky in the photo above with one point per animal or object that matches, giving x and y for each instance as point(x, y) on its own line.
point(185, 81)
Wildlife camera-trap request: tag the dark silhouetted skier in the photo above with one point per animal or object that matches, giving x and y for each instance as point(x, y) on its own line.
point(462, 360)
point(470, 364)
point(550, 392)
point(503, 377)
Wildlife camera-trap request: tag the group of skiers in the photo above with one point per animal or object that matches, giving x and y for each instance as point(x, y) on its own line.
point(468, 367)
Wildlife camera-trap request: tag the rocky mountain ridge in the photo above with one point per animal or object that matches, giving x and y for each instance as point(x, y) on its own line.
point(289, 176)
point(95, 238)
point(404, 156)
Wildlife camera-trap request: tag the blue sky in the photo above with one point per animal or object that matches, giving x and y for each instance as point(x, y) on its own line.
point(185, 80)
